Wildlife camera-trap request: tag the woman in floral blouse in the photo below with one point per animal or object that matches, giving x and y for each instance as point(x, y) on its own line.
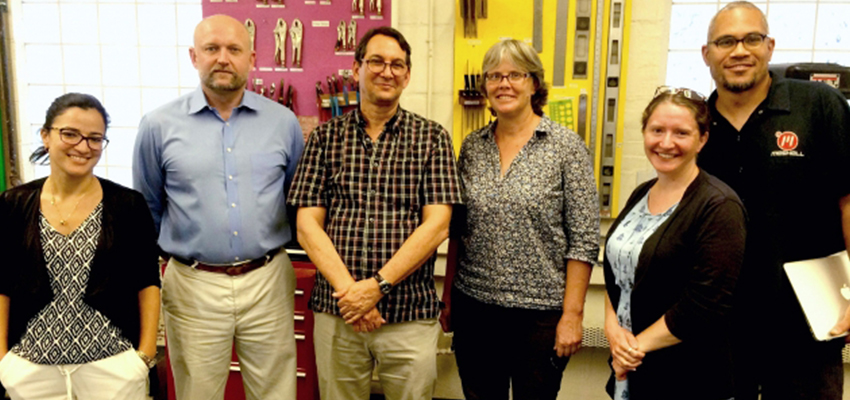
point(528, 238)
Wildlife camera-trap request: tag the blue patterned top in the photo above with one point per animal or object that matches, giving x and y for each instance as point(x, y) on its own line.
point(623, 250)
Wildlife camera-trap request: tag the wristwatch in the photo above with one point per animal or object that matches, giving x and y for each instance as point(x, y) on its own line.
point(383, 284)
point(150, 362)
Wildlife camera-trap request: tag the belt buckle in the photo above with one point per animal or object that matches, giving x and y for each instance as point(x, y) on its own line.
point(234, 270)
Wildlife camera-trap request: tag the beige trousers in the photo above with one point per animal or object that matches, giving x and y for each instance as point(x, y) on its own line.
point(206, 313)
point(405, 354)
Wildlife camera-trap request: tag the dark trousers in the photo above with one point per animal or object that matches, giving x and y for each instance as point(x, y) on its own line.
point(497, 347)
point(775, 354)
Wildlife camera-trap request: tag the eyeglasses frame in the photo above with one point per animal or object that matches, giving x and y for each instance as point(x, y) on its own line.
point(82, 138)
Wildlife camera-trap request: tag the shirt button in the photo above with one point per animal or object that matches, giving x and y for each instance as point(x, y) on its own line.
point(761, 112)
point(228, 150)
point(740, 169)
point(236, 258)
point(235, 233)
point(227, 123)
point(233, 205)
point(371, 219)
point(230, 177)
point(375, 164)
point(372, 192)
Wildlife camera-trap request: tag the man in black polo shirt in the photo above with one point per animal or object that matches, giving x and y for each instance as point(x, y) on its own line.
point(784, 146)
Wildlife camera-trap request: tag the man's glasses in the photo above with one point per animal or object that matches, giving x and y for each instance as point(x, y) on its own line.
point(378, 66)
point(687, 93)
point(513, 77)
point(751, 41)
point(73, 137)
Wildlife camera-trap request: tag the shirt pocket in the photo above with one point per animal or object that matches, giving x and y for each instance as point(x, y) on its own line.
point(267, 172)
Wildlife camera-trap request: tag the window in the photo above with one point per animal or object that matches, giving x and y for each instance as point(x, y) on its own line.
point(805, 31)
point(131, 54)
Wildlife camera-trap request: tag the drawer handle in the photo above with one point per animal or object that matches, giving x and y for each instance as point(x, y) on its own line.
point(299, 292)
point(299, 317)
point(299, 336)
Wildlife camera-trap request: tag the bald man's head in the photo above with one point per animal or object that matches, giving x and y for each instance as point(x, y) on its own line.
point(222, 54)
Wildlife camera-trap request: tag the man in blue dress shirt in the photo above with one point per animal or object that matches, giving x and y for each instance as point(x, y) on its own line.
point(215, 166)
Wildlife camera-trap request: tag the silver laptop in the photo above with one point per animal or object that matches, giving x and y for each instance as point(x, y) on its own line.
point(822, 286)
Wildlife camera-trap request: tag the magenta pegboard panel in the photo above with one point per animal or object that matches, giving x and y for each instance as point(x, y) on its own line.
point(319, 60)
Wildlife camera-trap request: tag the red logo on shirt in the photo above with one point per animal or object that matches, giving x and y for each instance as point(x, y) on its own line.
point(786, 140)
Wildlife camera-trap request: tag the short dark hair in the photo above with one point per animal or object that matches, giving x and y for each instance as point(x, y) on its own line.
point(360, 52)
point(699, 109)
point(59, 106)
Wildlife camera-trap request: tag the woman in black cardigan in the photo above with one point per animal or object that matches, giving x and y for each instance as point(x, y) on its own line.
point(79, 281)
point(671, 262)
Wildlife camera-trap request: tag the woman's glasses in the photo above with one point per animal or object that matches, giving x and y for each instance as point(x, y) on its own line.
point(687, 93)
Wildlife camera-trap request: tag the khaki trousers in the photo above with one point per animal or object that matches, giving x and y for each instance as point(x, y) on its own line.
point(206, 312)
point(405, 354)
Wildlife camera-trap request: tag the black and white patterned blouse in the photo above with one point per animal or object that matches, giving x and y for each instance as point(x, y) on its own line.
point(68, 331)
point(522, 228)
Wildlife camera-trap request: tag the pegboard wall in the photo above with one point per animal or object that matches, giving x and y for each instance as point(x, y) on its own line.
point(319, 59)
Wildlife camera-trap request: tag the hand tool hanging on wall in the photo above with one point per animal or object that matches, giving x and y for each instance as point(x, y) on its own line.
point(352, 35)
point(252, 30)
point(272, 91)
point(355, 88)
point(340, 37)
point(296, 33)
point(376, 6)
point(358, 6)
point(332, 92)
point(345, 91)
point(280, 43)
point(319, 94)
point(290, 98)
point(281, 98)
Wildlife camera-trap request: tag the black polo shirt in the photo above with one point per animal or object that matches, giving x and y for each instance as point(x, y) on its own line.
point(790, 165)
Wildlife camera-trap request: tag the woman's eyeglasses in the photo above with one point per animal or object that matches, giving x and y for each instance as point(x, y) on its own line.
point(73, 137)
point(687, 93)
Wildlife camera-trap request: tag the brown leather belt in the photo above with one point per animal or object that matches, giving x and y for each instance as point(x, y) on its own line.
point(232, 269)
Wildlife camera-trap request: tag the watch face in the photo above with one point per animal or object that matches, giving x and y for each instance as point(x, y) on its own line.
point(385, 286)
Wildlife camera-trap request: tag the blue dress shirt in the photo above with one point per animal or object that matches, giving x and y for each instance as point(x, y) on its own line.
point(217, 189)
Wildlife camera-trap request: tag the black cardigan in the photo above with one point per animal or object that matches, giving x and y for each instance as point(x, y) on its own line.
point(686, 272)
point(124, 263)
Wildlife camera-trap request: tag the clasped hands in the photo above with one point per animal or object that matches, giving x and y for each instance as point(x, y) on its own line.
point(625, 351)
point(357, 305)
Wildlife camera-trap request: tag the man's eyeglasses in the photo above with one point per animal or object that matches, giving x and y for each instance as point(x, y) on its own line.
point(378, 66)
point(687, 93)
point(751, 41)
point(513, 77)
point(73, 137)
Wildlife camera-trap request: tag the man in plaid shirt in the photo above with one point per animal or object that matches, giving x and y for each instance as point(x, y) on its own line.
point(375, 189)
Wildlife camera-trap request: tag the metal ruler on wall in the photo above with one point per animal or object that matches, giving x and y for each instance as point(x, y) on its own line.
point(610, 107)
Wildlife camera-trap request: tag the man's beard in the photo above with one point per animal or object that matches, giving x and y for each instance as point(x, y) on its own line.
point(739, 87)
point(236, 83)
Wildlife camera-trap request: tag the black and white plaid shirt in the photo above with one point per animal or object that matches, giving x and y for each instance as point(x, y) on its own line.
point(374, 193)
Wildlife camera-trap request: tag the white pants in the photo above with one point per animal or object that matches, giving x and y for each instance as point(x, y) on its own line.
point(120, 377)
point(406, 354)
point(206, 312)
